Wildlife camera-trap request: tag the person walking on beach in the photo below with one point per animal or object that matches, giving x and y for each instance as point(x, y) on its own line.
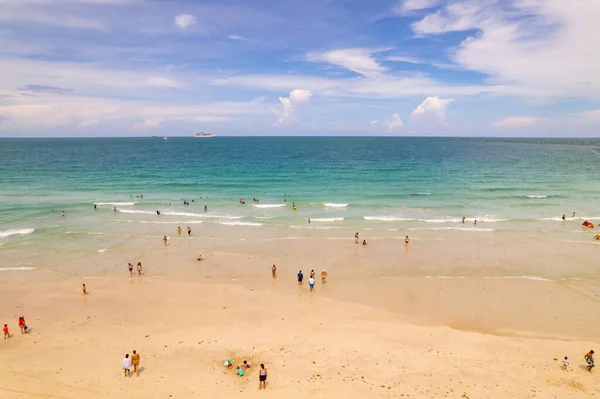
point(135, 360)
point(165, 239)
point(323, 276)
point(130, 267)
point(127, 366)
point(84, 289)
point(179, 230)
point(356, 240)
point(312, 274)
point(274, 271)
point(189, 231)
point(406, 241)
point(300, 277)
point(205, 208)
point(589, 358)
point(139, 267)
point(22, 325)
point(5, 330)
point(262, 377)
point(565, 364)
point(311, 284)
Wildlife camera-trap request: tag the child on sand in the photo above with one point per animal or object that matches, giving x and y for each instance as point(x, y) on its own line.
point(406, 240)
point(228, 363)
point(22, 325)
point(262, 377)
point(565, 364)
point(199, 258)
point(165, 239)
point(139, 267)
point(274, 271)
point(5, 330)
point(179, 230)
point(84, 289)
point(130, 267)
point(364, 242)
point(240, 371)
point(246, 364)
point(323, 276)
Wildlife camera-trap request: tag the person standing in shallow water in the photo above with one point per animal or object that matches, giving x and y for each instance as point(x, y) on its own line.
point(406, 241)
point(179, 230)
point(189, 231)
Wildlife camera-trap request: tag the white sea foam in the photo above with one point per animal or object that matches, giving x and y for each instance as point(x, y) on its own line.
point(240, 224)
point(102, 250)
point(387, 218)
point(115, 203)
point(267, 206)
point(159, 222)
point(326, 219)
point(334, 205)
point(8, 269)
point(459, 220)
point(537, 196)
point(15, 232)
point(370, 229)
point(135, 211)
point(474, 229)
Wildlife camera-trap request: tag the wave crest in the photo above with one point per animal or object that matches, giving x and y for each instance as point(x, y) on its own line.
point(15, 232)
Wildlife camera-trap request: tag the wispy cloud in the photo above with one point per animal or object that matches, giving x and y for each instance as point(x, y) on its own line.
point(406, 6)
point(44, 89)
point(516, 121)
point(184, 21)
point(238, 37)
point(357, 60)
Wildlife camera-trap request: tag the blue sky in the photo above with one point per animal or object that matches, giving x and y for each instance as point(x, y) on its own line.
point(309, 67)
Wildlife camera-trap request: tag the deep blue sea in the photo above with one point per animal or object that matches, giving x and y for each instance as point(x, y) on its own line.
point(372, 183)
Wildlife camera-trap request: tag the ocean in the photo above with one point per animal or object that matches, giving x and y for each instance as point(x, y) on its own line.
point(384, 186)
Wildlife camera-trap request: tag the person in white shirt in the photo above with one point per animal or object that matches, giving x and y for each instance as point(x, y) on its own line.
point(565, 365)
point(127, 365)
point(311, 283)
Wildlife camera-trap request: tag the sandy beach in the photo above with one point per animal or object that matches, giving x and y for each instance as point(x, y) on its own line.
point(381, 327)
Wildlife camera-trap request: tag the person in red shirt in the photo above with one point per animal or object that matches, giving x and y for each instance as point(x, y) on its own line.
point(22, 325)
point(5, 329)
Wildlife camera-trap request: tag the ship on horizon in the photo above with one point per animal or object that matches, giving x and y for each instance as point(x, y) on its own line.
point(203, 135)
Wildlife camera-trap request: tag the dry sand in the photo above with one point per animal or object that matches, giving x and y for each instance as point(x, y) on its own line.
point(379, 328)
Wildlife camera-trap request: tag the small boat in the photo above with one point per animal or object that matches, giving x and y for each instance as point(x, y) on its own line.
point(203, 135)
point(165, 138)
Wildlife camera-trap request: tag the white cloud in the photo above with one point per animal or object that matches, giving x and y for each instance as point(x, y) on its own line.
point(546, 47)
point(592, 116)
point(288, 113)
point(149, 123)
point(516, 121)
point(374, 122)
point(184, 21)
point(406, 6)
point(357, 60)
point(395, 123)
point(400, 58)
point(432, 106)
point(238, 37)
point(165, 82)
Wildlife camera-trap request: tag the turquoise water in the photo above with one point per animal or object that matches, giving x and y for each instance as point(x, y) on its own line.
point(368, 183)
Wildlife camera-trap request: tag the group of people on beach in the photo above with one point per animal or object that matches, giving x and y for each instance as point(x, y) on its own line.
point(589, 359)
point(242, 368)
point(128, 362)
point(357, 240)
point(22, 326)
point(130, 268)
point(311, 279)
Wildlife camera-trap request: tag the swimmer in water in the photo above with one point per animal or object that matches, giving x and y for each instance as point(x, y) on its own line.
point(563, 217)
point(95, 206)
point(63, 213)
point(115, 209)
point(308, 220)
point(205, 208)
point(158, 212)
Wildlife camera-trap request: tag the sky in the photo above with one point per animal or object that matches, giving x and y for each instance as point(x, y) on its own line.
point(508, 68)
